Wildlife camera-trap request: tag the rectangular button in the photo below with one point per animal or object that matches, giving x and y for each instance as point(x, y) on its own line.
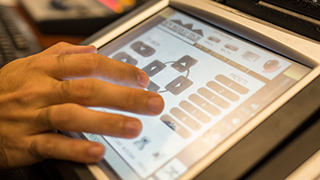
point(214, 98)
point(175, 126)
point(197, 113)
point(232, 84)
point(184, 64)
point(153, 87)
point(126, 58)
point(178, 85)
point(187, 120)
point(223, 91)
point(204, 105)
point(154, 68)
point(143, 49)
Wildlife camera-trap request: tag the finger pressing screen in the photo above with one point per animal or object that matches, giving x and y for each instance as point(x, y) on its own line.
point(98, 93)
point(75, 66)
point(72, 117)
point(66, 48)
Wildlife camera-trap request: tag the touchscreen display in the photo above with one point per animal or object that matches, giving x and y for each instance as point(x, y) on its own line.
point(212, 83)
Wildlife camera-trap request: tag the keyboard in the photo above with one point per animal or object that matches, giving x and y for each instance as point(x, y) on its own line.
point(16, 37)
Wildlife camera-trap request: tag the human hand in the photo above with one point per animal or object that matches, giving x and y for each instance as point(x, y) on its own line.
point(51, 90)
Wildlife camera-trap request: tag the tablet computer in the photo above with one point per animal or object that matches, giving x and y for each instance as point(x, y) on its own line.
point(221, 74)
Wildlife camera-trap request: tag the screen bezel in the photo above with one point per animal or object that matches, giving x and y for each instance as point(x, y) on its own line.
point(274, 106)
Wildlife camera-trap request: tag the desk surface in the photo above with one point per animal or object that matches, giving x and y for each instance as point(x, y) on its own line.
point(47, 40)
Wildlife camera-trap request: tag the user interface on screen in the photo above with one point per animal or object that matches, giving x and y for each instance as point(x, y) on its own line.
point(212, 83)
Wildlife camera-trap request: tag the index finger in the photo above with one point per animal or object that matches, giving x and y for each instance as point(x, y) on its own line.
point(69, 66)
point(66, 48)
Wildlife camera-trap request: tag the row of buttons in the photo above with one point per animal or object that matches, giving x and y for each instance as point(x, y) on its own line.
point(207, 100)
point(176, 87)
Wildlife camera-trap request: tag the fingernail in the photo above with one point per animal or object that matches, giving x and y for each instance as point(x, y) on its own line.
point(93, 49)
point(133, 127)
point(143, 79)
point(156, 104)
point(96, 152)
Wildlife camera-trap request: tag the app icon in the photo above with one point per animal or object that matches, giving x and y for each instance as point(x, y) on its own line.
point(214, 39)
point(231, 47)
point(157, 155)
point(140, 144)
point(183, 64)
point(154, 68)
point(126, 58)
point(250, 56)
point(178, 85)
point(271, 66)
point(143, 49)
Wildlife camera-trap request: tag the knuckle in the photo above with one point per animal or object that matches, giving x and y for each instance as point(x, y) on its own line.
point(45, 118)
point(90, 63)
point(63, 119)
point(27, 95)
point(77, 89)
point(114, 123)
point(56, 117)
point(62, 44)
point(131, 99)
point(61, 59)
point(50, 150)
point(46, 151)
point(125, 77)
point(34, 63)
point(64, 92)
point(83, 88)
point(128, 71)
point(34, 150)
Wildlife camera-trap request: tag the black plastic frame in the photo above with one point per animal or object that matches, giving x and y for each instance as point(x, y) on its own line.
point(278, 15)
point(275, 138)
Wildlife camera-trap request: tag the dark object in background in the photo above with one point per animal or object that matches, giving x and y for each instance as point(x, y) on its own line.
point(34, 172)
point(76, 17)
point(300, 16)
point(16, 38)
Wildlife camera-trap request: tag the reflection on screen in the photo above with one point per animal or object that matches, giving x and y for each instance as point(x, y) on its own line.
point(212, 84)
